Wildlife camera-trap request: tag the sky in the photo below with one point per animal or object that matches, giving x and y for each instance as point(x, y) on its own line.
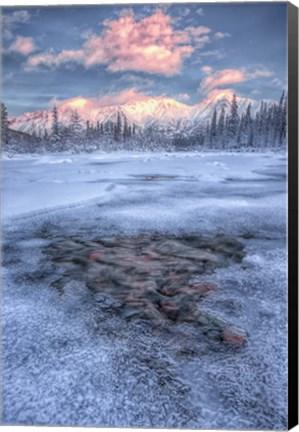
point(113, 54)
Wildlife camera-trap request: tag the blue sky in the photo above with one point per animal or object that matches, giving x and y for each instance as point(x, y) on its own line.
point(114, 54)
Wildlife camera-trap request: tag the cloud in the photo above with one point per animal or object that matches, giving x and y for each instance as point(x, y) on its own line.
point(23, 45)
point(222, 77)
point(123, 12)
point(149, 45)
point(20, 16)
point(88, 104)
point(135, 80)
point(181, 16)
point(230, 76)
point(184, 11)
point(52, 60)
point(199, 35)
point(8, 77)
point(276, 82)
point(199, 11)
point(220, 35)
point(207, 70)
point(11, 21)
point(213, 53)
point(263, 72)
point(255, 92)
point(217, 94)
point(183, 96)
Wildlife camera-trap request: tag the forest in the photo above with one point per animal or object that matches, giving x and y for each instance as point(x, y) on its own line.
point(227, 130)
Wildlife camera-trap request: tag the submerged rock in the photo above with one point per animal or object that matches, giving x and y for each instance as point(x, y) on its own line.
point(153, 277)
point(234, 336)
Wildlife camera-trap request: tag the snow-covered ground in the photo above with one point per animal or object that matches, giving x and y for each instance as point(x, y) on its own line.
point(65, 366)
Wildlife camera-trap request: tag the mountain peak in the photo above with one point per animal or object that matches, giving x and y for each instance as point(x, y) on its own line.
point(163, 111)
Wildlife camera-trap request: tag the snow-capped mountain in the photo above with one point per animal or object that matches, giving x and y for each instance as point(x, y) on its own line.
point(161, 112)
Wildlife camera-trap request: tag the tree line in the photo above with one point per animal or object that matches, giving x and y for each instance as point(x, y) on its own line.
point(75, 135)
point(226, 130)
point(266, 128)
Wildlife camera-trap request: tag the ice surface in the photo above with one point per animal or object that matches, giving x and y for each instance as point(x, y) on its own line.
point(68, 361)
point(40, 182)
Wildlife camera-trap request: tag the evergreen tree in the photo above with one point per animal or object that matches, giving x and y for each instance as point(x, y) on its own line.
point(4, 126)
point(129, 132)
point(207, 137)
point(118, 124)
point(280, 121)
point(33, 145)
point(233, 122)
point(241, 132)
point(87, 127)
point(125, 131)
point(259, 125)
point(250, 139)
point(89, 134)
point(75, 127)
point(264, 125)
point(117, 128)
point(55, 142)
point(201, 138)
point(112, 128)
point(247, 127)
point(213, 129)
point(106, 128)
point(255, 127)
point(221, 128)
point(273, 114)
point(55, 126)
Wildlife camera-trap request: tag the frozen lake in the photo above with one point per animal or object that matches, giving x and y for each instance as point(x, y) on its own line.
point(70, 359)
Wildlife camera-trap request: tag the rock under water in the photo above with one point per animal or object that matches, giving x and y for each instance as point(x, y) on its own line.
point(152, 277)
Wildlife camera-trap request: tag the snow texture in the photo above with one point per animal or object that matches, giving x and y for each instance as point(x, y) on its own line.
point(68, 361)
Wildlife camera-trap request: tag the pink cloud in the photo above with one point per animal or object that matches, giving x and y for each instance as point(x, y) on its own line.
point(207, 69)
point(150, 45)
point(82, 104)
point(216, 94)
point(23, 45)
point(222, 77)
point(39, 59)
point(230, 76)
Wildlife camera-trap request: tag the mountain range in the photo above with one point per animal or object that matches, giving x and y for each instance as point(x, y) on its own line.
point(162, 113)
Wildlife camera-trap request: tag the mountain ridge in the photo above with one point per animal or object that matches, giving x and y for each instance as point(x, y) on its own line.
point(164, 112)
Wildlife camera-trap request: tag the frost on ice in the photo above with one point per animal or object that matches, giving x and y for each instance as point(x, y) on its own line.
point(145, 290)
